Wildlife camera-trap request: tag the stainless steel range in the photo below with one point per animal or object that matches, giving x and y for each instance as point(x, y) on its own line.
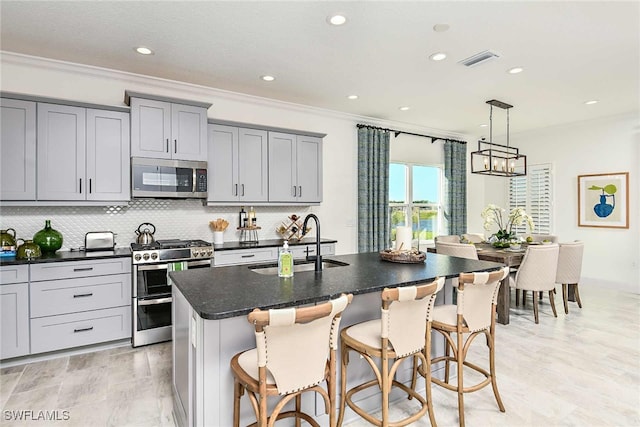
point(151, 286)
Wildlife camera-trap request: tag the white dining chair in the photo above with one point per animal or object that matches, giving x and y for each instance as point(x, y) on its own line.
point(453, 238)
point(537, 273)
point(569, 270)
point(542, 237)
point(460, 250)
point(473, 237)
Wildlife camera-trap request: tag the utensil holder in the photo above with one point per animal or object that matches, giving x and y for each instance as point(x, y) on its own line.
point(218, 237)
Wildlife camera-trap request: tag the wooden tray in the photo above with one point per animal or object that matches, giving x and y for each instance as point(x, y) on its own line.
point(404, 257)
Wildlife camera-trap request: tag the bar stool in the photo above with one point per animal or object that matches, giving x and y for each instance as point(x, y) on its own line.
point(401, 333)
point(295, 351)
point(474, 313)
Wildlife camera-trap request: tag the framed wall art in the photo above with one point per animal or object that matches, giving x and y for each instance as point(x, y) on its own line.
point(603, 200)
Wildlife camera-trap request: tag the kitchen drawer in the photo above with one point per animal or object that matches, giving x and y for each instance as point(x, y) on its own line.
point(54, 297)
point(245, 256)
point(74, 330)
point(14, 274)
point(69, 270)
point(300, 251)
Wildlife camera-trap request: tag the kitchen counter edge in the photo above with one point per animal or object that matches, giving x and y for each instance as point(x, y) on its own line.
point(61, 256)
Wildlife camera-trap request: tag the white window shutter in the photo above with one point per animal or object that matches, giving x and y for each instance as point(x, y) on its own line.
point(533, 192)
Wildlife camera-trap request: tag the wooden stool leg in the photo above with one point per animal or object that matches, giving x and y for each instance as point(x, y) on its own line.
point(492, 368)
point(535, 305)
point(553, 303)
point(298, 410)
point(446, 360)
point(460, 360)
point(236, 403)
point(427, 376)
point(343, 383)
point(565, 298)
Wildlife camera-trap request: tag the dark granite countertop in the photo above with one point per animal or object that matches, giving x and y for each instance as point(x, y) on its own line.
point(226, 246)
point(68, 256)
point(222, 292)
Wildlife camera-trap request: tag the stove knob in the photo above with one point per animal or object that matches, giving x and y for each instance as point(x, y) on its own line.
point(137, 257)
point(154, 255)
point(195, 253)
point(209, 252)
point(145, 256)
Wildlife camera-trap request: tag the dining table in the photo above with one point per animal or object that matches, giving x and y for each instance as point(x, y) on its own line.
point(508, 257)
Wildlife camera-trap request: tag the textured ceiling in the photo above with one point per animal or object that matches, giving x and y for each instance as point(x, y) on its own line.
point(571, 52)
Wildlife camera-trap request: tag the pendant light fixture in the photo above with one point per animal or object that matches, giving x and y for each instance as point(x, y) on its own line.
point(497, 159)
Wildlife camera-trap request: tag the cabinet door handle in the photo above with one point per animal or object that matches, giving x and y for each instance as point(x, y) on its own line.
point(83, 269)
point(300, 192)
point(175, 145)
point(294, 191)
point(80, 185)
point(167, 145)
point(243, 189)
point(236, 191)
point(248, 256)
point(89, 185)
point(83, 329)
point(83, 295)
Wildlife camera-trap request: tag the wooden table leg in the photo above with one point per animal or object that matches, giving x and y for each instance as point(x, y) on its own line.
point(504, 299)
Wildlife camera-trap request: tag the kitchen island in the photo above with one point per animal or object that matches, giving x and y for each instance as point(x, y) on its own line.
point(210, 326)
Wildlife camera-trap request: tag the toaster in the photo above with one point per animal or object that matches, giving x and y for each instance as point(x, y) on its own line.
point(99, 241)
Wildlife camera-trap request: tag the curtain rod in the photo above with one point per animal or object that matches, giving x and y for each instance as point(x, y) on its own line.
point(398, 132)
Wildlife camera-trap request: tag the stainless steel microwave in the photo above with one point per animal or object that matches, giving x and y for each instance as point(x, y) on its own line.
point(168, 178)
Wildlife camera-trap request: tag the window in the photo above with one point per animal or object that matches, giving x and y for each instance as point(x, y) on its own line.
point(415, 189)
point(533, 193)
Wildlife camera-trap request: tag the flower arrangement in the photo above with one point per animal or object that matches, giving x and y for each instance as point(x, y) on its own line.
point(493, 214)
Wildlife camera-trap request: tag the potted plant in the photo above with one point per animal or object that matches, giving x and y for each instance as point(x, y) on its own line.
point(493, 214)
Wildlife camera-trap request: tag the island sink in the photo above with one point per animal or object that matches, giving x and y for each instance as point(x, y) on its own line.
point(298, 266)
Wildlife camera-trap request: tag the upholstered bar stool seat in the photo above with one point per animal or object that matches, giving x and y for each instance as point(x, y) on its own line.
point(473, 314)
point(295, 352)
point(402, 332)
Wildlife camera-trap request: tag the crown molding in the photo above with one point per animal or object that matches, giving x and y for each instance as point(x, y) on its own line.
point(204, 93)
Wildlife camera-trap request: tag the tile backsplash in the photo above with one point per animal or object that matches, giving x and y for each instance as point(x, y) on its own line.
point(173, 219)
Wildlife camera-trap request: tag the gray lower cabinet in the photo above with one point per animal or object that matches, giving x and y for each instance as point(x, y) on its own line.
point(82, 154)
point(17, 150)
point(79, 303)
point(295, 168)
point(14, 311)
point(165, 130)
point(237, 164)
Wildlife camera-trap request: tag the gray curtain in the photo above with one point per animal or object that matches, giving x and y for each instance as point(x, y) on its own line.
point(455, 196)
point(373, 190)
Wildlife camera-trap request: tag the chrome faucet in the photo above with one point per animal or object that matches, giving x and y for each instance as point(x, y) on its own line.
point(318, 267)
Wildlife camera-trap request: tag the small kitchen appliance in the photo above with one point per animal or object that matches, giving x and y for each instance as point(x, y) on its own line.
point(151, 286)
point(99, 241)
point(161, 178)
point(145, 236)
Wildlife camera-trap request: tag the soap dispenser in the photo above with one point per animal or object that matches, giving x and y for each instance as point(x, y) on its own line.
point(285, 261)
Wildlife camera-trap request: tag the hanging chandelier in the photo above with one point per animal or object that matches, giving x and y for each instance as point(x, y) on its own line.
point(497, 159)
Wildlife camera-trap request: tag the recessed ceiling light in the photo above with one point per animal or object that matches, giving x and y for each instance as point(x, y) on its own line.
point(438, 56)
point(143, 50)
point(267, 78)
point(515, 70)
point(336, 19)
point(483, 125)
point(352, 96)
point(441, 28)
point(403, 108)
point(593, 101)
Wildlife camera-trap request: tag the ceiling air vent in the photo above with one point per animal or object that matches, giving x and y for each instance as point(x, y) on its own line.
point(479, 58)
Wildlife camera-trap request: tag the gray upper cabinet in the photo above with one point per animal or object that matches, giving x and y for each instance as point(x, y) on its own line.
point(295, 168)
point(17, 150)
point(61, 152)
point(82, 154)
point(108, 164)
point(165, 130)
point(238, 170)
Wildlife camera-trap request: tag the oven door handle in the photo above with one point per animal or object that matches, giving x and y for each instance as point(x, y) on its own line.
point(154, 301)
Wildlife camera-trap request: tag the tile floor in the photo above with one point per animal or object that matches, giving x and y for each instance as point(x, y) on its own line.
point(581, 369)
